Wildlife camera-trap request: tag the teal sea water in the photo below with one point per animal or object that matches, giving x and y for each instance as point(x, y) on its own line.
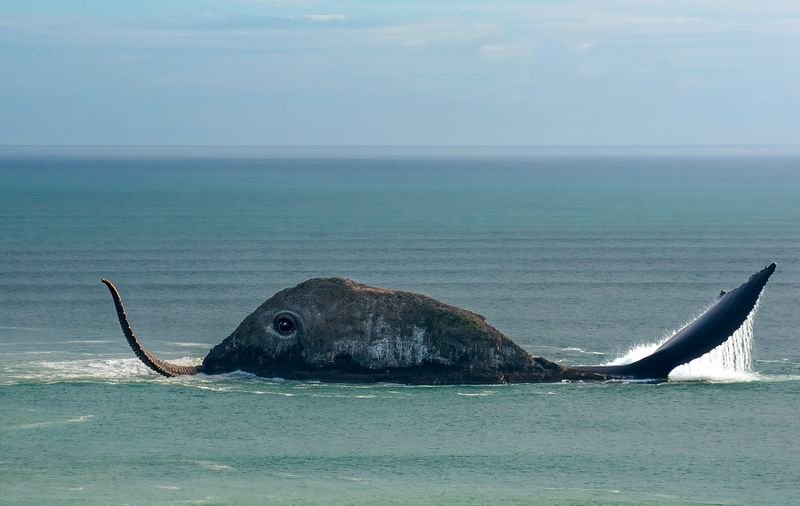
point(578, 258)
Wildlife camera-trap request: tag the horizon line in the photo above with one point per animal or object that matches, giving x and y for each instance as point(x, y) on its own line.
point(397, 151)
point(399, 145)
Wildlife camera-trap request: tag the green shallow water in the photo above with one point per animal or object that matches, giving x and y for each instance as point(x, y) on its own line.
point(251, 441)
point(576, 258)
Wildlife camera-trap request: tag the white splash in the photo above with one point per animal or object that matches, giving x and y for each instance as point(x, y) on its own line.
point(107, 370)
point(112, 369)
point(730, 361)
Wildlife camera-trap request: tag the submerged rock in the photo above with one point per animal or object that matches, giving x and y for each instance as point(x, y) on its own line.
point(346, 331)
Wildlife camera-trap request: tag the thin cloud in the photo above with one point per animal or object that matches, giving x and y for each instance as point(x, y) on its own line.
point(429, 32)
point(507, 50)
point(325, 18)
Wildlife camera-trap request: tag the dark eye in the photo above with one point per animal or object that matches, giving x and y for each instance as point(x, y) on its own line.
point(284, 325)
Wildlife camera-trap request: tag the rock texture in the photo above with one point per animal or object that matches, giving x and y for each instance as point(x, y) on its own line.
point(347, 331)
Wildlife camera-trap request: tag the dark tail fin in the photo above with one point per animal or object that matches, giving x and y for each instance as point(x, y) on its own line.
point(704, 334)
point(146, 356)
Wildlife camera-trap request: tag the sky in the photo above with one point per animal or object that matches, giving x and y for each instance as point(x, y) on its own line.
point(306, 72)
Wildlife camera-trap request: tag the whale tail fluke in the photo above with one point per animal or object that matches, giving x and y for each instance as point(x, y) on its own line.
point(704, 334)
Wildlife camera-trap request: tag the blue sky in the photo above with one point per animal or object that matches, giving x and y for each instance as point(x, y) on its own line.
point(271, 72)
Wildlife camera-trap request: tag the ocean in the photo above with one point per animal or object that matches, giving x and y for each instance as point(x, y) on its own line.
point(581, 257)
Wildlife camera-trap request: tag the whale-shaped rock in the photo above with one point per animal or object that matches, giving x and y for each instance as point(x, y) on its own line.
point(338, 330)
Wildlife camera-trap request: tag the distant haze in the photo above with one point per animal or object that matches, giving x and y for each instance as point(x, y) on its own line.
point(271, 72)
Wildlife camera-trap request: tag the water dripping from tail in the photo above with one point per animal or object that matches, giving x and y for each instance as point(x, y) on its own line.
point(727, 325)
point(731, 361)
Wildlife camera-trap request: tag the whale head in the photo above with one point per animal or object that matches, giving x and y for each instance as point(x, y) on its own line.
point(336, 323)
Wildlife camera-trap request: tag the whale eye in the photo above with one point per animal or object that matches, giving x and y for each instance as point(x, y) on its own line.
point(284, 325)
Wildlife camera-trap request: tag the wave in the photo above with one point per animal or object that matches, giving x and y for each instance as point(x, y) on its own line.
point(101, 370)
point(36, 425)
point(211, 465)
point(484, 393)
point(581, 350)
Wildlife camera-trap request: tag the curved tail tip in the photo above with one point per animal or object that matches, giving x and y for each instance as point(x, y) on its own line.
point(766, 272)
point(146, 356)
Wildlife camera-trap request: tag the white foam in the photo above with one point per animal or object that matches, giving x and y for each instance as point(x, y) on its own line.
point(732, 361)
point(36, 425)
point(484, 393)
point(183, 344)
point(580, 350)
point(778, 378)
point(264, 392)
point(89, 369)
point(207, 500)
point(211, 466)
point(111, 369)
